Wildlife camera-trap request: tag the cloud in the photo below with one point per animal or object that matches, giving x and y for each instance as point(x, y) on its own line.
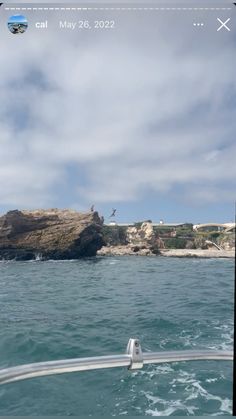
point(139, 110)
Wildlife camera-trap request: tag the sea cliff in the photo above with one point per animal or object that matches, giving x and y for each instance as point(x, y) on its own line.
point(49, 234)
point(68, 234)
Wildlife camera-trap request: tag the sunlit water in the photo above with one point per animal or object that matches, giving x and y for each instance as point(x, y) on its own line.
point(57, 310)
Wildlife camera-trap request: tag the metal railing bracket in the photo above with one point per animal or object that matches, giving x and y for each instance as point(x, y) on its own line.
point(135, 351)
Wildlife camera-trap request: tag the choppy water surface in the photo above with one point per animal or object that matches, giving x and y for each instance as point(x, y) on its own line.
point(57, 310)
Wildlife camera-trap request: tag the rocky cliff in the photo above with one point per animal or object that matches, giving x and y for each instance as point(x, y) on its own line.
point(49, 234)
point(137, 240)
point(145, 238)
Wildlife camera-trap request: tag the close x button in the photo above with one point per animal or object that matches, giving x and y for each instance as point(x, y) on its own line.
point(223, 25)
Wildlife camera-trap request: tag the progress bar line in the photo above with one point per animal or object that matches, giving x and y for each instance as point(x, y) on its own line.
point(117, 8)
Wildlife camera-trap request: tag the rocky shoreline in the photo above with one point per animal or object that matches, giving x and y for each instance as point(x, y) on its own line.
point(68, 234)
point(180, 253)
point(198, 253)
point(124, 251)
point(144, 239)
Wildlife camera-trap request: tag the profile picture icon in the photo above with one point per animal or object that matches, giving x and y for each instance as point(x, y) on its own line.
point(17, 24)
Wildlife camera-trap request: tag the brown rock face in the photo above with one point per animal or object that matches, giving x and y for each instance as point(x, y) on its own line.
point(125, 251)
point(49, 234)
point(144, 238)
point(132, 240)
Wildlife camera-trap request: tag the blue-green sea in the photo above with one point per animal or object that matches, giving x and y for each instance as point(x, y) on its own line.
point(57, 310)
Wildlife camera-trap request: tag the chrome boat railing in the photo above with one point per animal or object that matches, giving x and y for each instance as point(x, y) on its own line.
point(134, 359)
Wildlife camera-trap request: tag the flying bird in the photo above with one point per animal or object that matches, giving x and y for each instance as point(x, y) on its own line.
point(113, 212)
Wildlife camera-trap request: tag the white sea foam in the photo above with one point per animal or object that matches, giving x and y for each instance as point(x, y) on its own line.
point(165, 412)
point(158, 370)
point(189, 339)
point(114, 261)
point(198, 391)
point(211, 380)
point(192, 389)
point(226, 338)
point(169, 406)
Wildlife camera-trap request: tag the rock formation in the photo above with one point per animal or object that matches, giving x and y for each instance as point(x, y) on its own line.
point(49, 234)
point(227, 241)
point(136, 240)
point(143, 238)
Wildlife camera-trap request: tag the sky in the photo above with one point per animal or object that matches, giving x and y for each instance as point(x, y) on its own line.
point(140, 118)
point(17, 19)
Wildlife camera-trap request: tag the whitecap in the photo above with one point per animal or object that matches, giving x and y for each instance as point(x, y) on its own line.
point(211, 380)
point(225, 404)
point(172, 406)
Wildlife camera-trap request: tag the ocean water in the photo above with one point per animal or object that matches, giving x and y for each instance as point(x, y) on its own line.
point(57, 310)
